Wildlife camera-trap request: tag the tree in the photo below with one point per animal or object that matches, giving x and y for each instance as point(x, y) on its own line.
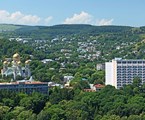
point(3, 111)
point(82, 84)
point(26, 115)
point(134, 117)
point(136, 82)
point(54, 113)
point(111, 117)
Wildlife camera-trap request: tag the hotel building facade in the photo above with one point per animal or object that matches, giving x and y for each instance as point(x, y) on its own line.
point(120, 72)
point(25, 87)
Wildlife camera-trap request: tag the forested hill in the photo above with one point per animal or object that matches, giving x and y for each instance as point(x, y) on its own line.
point(77, 29)
point(64, 29)
point(74, 28)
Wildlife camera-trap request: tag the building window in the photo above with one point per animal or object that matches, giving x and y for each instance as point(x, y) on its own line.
point(123, 62)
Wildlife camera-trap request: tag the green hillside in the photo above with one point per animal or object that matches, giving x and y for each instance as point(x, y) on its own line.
point(8, 27)
point(64, 29)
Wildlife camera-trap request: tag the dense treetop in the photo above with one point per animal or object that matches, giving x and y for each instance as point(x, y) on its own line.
point(75, 104)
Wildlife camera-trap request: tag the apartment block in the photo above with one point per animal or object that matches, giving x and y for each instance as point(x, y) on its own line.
point(120, 72)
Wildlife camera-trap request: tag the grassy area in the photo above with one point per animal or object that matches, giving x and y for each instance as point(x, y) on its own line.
point(6, 27)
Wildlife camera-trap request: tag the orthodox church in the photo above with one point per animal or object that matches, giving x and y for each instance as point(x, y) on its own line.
point(15, 68)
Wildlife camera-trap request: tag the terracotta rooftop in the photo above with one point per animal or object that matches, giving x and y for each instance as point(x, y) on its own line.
point(99, 85)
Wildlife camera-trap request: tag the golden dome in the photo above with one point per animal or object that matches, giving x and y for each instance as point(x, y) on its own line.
point(13, 62)
point(19, 62)
point(16, 55)
point(27, 61)
point(5, 62)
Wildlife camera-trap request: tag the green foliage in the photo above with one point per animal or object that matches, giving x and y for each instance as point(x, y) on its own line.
point(81, 85)
point(136, 82)
point(71, 104)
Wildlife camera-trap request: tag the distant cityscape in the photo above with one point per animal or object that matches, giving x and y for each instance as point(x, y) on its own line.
point(72, 60)
point(118, 72)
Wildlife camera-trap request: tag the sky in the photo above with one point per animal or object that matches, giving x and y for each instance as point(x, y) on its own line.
point(53, 12)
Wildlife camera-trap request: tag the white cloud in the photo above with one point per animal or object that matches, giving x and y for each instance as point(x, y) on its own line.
point(86, 18)
point(48, 19)
point(20, 18)
point(3, 15)
point(105, 22)
point(28, 19)
point(82, 18)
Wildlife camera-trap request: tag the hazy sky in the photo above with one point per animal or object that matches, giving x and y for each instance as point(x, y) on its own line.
point(51, 12)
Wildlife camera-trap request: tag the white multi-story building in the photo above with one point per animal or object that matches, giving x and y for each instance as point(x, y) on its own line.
point(121, 72)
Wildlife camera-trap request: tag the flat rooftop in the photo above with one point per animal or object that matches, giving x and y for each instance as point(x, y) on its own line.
point(17, 83)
